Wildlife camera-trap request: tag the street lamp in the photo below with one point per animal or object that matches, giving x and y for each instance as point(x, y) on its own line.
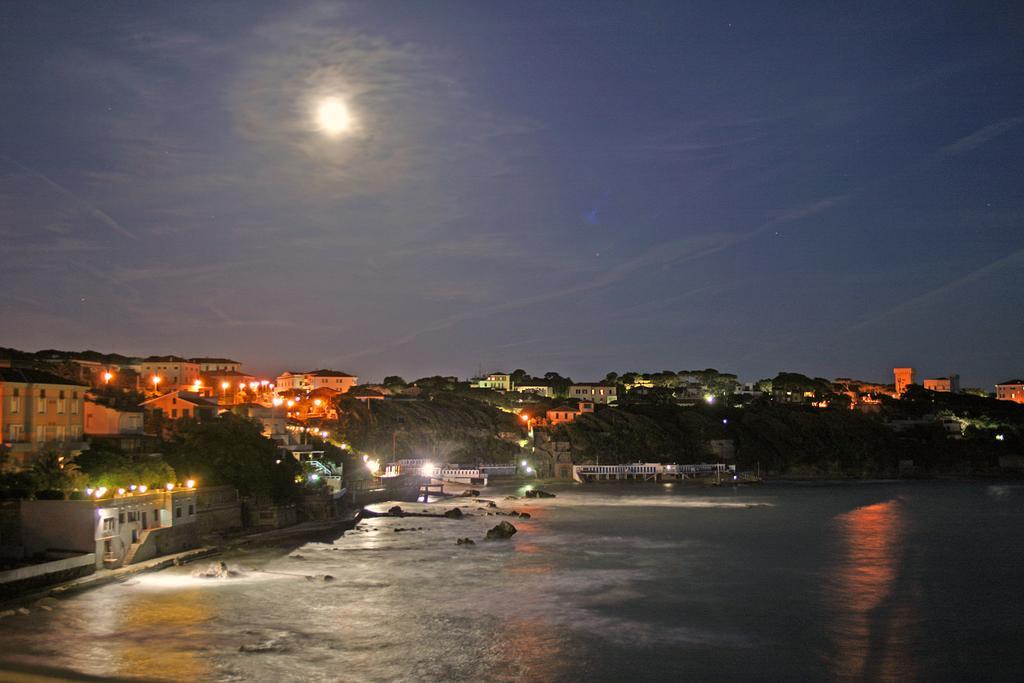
point(107, 376)
point(156, 383)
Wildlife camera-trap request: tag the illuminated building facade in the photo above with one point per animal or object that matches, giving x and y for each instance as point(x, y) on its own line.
point(1011, 390)
point(38, 408)
point(167, 373)
point(948, 385)
point(315, 379)
point(904, 377)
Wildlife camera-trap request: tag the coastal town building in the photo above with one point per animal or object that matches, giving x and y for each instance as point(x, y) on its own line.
point(563, 414)
point(272, 418)
point(167, 373)
point(209, 365)
point(948, 385)
point(315, 379)
point(536, 387)
point(38, 409)
point(121, 529)
point(498, 381)
point(903, 377)
point(367, 395)
point(179, 404)
point(121, 429)
point(1011, 390)
point(597, 392)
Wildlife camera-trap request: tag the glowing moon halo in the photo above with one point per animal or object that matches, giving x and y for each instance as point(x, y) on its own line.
point(333, 117)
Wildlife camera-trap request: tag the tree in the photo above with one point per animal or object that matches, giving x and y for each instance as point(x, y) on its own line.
point(53, 470)
point(114, 468)
point(394, 382)
point(519, 376)
point(611, 377)
point(232, 450)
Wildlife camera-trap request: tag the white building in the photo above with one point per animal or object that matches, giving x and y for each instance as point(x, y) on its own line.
point(119, 530)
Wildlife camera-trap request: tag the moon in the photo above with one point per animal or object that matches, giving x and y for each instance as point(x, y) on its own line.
point(333, 117)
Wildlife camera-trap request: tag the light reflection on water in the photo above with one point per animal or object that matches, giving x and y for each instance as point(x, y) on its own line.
point(872, 619)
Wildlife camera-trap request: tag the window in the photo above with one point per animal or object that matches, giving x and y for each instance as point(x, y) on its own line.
point(15, 402)
point(61, 435)
point(184, 412)
point(41, 407)
point(74, 405)
point(108, 524)
point(60, 394)
point(15, 432)
point(174, 413)
point(177, 512)
point(76, 431)
point(191, 509)
point(61, 405)
point(120, 516)
point(40, 433)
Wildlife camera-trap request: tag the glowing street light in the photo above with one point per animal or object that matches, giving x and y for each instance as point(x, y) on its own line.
point(709, 398)
point(523, 463)
point(277, 400)
point(107, 376)
point(225, 385)
point(428, 470)
point(190, 484)
point(156, 381)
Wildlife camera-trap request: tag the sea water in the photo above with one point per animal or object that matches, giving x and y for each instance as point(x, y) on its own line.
point(632, 581)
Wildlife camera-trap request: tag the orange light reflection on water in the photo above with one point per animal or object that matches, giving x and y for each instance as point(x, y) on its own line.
point(159, 636)
point(870, 632)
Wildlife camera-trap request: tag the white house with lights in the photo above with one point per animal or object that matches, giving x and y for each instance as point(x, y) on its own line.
point(120, 528)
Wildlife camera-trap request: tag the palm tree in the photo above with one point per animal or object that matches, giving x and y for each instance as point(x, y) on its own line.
point(53, 469)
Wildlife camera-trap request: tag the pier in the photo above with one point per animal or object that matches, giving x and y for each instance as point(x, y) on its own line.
point(649, 471)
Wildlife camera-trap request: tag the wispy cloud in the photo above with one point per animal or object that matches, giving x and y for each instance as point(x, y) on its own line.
point(983, 135)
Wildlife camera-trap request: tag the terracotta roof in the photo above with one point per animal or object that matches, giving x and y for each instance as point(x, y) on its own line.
point(1010, 381)
point(214, 360)
point(166, 359)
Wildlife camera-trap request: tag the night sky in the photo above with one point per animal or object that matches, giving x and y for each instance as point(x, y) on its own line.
point(829, 188)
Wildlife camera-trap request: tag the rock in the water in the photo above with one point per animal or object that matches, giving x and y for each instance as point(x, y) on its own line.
point(22, 611)
point(537, 493)
point(524, 515)
point(465, 541)
point(454, 513)
point(396, 510)
point(511, 497)
point(470, 493)
point(502, 530)
point(216, 570)
point(7, 613)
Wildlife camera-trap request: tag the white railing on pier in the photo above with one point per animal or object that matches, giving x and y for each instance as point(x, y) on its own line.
point(648, 470)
